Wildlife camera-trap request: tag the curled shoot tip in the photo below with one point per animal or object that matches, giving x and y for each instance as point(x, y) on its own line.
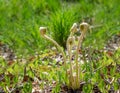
point(73, 28)
point(84, 26)
point(43, 30)
point(71, 40)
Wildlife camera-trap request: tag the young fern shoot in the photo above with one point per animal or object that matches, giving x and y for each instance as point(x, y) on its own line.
point(74, 76)
point(70, 42)
point(43, 34)
point(83, 28)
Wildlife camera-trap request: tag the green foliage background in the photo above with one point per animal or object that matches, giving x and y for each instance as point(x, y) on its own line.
point(20, 21)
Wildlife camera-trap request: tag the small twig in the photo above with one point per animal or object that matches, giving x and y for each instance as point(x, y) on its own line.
point(8, 90)
point(112, 80)
point(98, 69)
point(14, 89)
point(35, 77)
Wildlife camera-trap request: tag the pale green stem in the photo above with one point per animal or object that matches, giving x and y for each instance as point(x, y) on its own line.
point(69, 47)
point(76, 60)
point(71, 34)
point(70, 59)
point(59, 48)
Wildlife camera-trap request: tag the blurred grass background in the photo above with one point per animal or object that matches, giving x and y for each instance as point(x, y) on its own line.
point(20, 21)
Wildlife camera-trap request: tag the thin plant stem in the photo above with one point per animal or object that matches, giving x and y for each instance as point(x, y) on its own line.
point(59, 48)
point(76, 60)
point(69, 47)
